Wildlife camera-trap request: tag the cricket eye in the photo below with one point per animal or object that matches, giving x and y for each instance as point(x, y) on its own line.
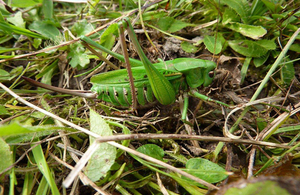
point(211, 74)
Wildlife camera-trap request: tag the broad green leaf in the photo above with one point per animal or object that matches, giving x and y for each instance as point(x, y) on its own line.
point(36, 43)
point(265, 187)
point(77, 55)
point(206, 170)
point(254, 32)
point(252, 48)
point(108, 43)
point(108, 37)
point(82, 27)
point(268, 44)
point(47, 76)
point(6, 155)
point(27, 3)
point(109, 32)
point(17, 20)
point(16, 133)
point(295, 47)
point(241, 7)
point(261, 123)
point(152, 150)
point(171, 25)
point(261, 60)
point(13, 73)
point(104, 157)
point(3, 110)
point(4, 75)
point(214, 46)
point(16, 72)
point(287, 73)
point(17, 129)
point(47, 30)
point(188, 47)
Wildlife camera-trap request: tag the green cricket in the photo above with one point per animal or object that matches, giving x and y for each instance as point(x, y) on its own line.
point(161, 81)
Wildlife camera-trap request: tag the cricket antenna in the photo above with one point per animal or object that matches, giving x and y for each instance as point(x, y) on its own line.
point(81, 93)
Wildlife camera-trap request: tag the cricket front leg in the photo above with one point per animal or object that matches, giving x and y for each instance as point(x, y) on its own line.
point(163, 90)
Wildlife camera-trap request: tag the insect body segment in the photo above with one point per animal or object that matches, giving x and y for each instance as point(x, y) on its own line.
point(119, 95)
point(104, 83)
point(161, 81)
point(115, 89)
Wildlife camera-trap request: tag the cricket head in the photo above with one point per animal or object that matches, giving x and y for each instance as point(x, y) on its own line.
point(208, 73)
point(197, 71)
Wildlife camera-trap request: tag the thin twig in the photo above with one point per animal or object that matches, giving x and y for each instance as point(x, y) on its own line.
point(128, 67)
point(187, 137)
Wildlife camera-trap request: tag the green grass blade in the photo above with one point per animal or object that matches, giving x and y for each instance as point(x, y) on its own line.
point(89, 41)
point(43, 187)
point(21, 31)
point(44, 168)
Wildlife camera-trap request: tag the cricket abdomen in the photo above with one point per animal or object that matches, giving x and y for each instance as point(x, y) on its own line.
point(120, 95)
